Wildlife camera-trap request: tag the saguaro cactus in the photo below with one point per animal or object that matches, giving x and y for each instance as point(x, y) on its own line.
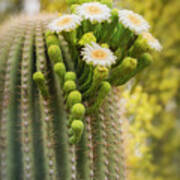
point(59, 113)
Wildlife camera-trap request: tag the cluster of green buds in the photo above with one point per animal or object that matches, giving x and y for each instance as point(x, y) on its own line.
point(92, 49)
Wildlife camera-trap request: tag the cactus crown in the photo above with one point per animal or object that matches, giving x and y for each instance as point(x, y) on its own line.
point(59, 116)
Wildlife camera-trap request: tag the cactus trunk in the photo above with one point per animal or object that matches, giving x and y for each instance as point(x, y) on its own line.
point(60, 119)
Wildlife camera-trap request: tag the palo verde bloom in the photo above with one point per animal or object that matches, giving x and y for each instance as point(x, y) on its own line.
point(152, 42)
point(133, 21)
point(65, 23)
point(94, 11)
point(96, 55)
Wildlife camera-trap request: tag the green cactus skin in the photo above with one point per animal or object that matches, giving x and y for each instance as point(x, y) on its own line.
point(27, 104)
point(9, 118)
point(58, 122)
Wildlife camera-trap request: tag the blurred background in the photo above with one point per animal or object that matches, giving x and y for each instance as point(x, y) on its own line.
point(152, 98)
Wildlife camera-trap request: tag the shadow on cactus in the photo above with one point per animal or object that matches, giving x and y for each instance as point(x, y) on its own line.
point(60, 116)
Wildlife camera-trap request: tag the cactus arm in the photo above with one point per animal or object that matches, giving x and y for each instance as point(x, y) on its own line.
point(46, 114)
point(26, 106)
point(9, 118)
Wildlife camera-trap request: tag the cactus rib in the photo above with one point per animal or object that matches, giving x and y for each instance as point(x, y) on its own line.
point(9, 117)
point(26, 104)
point(46, 114)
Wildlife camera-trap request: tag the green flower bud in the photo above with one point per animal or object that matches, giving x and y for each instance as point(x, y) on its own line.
point(60, 69)
point(123, 71)
point(105, 88)
point(146, 59)
point(55, 54)
point(69, 86)
point(52, 40)
point(115, 12)
point(87, 38)
point(140, 46)
point(73, 98)
point(38, 77)
point(101, 73)
point(70, 76)
point(129, 64)
point(104, 45)
point(78, 111)
point(77, 127)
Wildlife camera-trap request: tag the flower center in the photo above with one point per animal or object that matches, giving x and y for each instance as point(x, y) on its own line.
point(64, 21)
point(94, 10)
point(99, 54)
point(134, 20)
point(148, 36)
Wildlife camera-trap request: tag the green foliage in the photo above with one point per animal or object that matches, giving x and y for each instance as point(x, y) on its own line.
point(54, 53)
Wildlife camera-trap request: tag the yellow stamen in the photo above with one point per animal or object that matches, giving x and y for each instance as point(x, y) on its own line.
point(93, 10)
point(99, 54)
point(64, 21)
point(134, 20)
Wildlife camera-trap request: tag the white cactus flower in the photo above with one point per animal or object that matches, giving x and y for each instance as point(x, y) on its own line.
point(66, 23)
point(133, 21)
point(152, 42)
point(96, 55)
point(94, 11)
